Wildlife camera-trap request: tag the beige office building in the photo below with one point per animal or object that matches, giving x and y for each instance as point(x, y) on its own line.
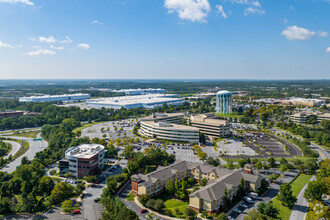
point(168, 131)
point(214, 128)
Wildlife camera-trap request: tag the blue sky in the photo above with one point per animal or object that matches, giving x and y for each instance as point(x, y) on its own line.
point(120, 39)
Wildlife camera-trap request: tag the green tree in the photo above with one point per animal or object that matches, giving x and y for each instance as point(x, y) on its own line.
point(46, 185)
point(285, 195)
point(221, 216)
point(203, 182)
point(170, 189)
point(90, 179)
point(61, 192)
point(66, 206)
point(268, 209)
point(315, 190)
point(253, 215)
point(272, 162)
point(191, 214)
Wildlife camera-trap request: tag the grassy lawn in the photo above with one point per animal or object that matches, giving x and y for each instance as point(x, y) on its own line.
point(86, 125)
point(234, 115)
point(130, 197)
point(28, 134)
point(296, 186)
point(172, 204)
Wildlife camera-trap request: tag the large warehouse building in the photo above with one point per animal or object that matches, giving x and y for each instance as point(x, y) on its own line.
point(167, 131)
point(140, 91)
point(56, 98)
point(150, 101)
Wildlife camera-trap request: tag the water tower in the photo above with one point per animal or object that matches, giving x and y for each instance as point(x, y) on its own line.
point(224, 102)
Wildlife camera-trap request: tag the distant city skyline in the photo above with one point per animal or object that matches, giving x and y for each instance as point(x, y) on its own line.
point(165, 39)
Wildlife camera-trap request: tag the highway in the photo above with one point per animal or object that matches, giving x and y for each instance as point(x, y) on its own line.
point(35, 146)
point(299, 210)
point(15, 147)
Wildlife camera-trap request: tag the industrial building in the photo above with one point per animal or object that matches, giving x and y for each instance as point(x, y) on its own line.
point(224, 102)
point(56, 98)
point(213, 128)
point(303, 102)
point(140, 91)
point(167, 131)
point(150, 101)
point(209, 198)
point(169, 117)
point(83, 160)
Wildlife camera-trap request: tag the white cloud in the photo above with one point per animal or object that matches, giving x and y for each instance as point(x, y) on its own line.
point(251, 10)
point(243, 2)
point(66, 41)
point(285, 21)
point(2, 44)
point(256, 4)
point(220, 11)
point(327, 50)
point(56, 48)
point(49, 39)
point(83, 46)
point(292, 8)
point(41, 52)
point(26, 2)
point(174, 59)
point(297, 33)
point(322, 33)
point(193, 10)
point(96, 22)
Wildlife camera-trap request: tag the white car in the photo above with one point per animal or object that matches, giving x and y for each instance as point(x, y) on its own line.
point(237, 210)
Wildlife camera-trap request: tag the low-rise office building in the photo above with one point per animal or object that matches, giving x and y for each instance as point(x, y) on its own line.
point(208, 198)
point(325, 116)
point(11, 114)
point(169, 117)
point(301, 117)
point(214, 128)
point(168, 131)
point(83, 160)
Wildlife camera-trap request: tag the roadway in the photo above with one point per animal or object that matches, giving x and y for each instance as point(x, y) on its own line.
point(299, 210)
point(35, 146)
point(15, 147)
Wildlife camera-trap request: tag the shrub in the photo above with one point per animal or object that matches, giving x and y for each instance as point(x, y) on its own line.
point(144, 199)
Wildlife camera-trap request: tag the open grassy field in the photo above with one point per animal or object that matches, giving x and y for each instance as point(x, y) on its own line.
point(130, 197)
point(296, 185)
point(27, 134)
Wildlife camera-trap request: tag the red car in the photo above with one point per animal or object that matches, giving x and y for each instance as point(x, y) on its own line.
point(77, 211)
point(143, 211)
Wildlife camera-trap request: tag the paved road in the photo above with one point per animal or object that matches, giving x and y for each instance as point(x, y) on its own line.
point(15, 147)
point(35, 146)
point(299, 210)
point(90, 209)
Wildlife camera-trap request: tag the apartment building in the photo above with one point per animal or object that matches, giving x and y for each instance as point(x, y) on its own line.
point(209, 197)
point(214, 128)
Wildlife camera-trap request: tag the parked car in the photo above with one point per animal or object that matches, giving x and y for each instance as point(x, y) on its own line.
point(143, 211)
point(243, 205)
point(248, 199)
point(77, 211)
point(97, 200)
point(254, 196)
point(237, 210)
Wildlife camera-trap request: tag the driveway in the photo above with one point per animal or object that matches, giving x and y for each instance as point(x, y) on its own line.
point(299, 210)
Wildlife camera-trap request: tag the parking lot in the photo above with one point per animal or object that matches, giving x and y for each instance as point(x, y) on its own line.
point(266, 197)
point(111, 129)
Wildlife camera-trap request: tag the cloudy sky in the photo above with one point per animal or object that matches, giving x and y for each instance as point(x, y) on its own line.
point(119, 39)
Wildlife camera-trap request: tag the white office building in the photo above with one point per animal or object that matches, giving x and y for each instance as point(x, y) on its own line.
point(56, 98)
point(150, 101)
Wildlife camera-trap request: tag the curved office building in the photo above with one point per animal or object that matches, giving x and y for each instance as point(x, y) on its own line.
point(167, 131)
point(224, 102)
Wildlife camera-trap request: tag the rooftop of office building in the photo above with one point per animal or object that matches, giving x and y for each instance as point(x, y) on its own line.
point(84, 150)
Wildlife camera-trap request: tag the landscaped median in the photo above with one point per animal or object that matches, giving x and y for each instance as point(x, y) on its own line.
point(296, 187)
